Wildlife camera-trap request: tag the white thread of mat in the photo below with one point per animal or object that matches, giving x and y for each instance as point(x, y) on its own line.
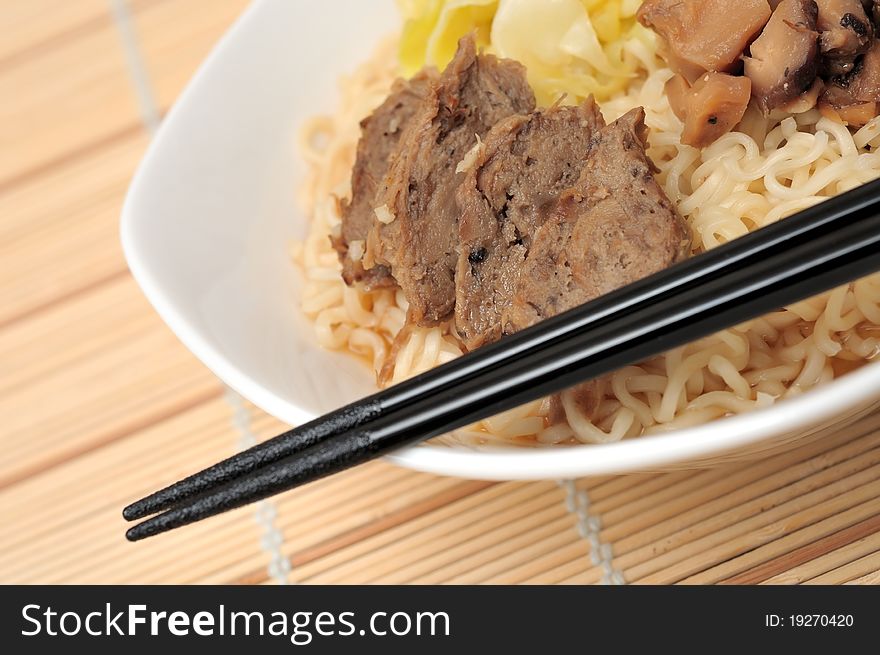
point(140, 79)
point(589, 526)
point(272, 541)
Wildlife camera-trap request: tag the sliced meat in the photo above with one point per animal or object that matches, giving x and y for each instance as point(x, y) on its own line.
point(614, 227)
point(540, 257)
point(506, 195)
point(711, 107)
point(585, 398)
point(704, 35)
point(784, 60)
point(380, 134)
point(416, 231)
point(845, 33)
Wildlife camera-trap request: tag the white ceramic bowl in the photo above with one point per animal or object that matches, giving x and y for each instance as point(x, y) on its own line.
point(211, 211)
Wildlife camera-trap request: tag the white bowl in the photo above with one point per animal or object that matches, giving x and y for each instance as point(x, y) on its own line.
point(211, 211)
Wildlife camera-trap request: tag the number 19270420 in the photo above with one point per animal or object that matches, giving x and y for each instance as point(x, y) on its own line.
point(809, 620)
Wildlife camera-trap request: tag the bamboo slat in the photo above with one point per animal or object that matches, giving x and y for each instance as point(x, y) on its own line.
point(829, 565)
point(699, 511)
point(590, 576)
point(176, 36)
point(471, 560)
point(573, 563)
point(88, 104)
point(59, 231)
point(862, 571)
point(453, 538)
point(529, 554)
point(737, 485)
point(25, 26)
point(867, 579)
point(95, 399)
point(366, 553)
point(840, 516)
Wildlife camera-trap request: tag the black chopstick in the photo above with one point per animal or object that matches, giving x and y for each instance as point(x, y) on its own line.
point(814, 223)
point(803, 255)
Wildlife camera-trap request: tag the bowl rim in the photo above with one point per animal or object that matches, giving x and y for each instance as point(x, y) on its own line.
point(815, 406)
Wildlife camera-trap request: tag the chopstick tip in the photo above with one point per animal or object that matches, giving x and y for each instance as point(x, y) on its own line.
point(132, 512)
point(149, 528)
point(136, 533)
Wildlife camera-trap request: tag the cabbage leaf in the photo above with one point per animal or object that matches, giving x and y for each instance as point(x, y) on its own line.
point(571, 48)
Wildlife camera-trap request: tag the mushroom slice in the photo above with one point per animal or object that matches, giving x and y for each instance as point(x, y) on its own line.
point(784, 60)
point(677, 92)
point(704, 35)
point(863, 83)
point(711, 107)
point(845, 33)
point(838, 105)
point(854, 99)
point(805, 101)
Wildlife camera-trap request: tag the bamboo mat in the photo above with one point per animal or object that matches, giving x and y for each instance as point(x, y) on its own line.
point(101, 404)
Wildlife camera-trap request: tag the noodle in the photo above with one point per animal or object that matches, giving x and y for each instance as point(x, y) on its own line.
point(767, 169)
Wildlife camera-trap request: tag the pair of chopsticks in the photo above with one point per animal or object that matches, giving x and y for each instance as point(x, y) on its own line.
point(813, 251)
